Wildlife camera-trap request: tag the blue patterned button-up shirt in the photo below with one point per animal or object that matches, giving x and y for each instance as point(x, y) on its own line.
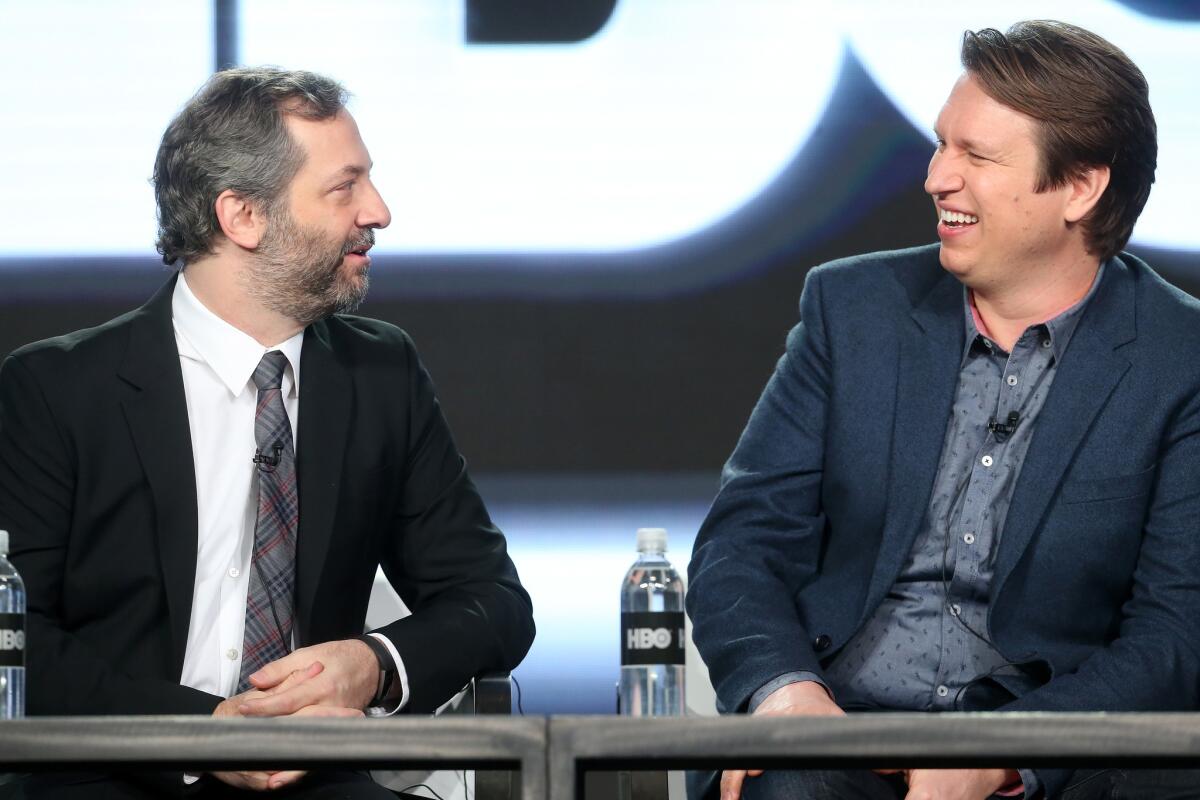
point(928, 639)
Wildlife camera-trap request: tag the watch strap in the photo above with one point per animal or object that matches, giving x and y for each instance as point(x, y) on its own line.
point(387, 667)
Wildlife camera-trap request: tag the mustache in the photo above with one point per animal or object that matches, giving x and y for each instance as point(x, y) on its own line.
point(364, 239)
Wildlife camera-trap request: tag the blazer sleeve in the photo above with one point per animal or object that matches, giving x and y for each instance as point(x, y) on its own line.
point(761, 540)
point(449, 564)
point(37, 487)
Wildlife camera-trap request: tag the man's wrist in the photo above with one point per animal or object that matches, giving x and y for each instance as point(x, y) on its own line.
point(387, 669)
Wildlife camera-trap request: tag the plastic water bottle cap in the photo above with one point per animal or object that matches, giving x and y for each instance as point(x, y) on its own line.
point(3, 543)
point(652, 540)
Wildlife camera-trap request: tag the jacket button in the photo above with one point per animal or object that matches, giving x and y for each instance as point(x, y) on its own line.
point(822, 642)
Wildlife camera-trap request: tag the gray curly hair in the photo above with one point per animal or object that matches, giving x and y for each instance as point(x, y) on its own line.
point(232, 135)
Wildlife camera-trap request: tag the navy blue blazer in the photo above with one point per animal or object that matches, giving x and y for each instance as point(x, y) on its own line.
point(1097, 578)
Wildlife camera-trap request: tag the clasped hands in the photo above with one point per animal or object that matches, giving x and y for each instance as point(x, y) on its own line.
point(334, 679)
point(808, 698)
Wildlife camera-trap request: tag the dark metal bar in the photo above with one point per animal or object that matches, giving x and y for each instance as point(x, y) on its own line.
point(553, 755)
point(202, 743)
point(579, 744)
point(225, 35)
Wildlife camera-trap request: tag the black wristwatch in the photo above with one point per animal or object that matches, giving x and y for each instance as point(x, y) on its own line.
point(387, 668)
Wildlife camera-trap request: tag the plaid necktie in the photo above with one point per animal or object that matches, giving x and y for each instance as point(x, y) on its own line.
point(273, 563)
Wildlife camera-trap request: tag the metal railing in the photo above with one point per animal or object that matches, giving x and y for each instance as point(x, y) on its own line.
point(206, 743)
point(553, 754)
point(882, 740)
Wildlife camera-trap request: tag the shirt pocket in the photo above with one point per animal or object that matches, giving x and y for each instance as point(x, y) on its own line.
point(1118, 487)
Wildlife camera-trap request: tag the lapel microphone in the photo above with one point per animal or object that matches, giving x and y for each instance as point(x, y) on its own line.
point(1002, 430)
point(268, 463)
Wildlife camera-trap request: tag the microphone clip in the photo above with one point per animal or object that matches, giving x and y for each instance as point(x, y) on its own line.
point(268, 463)
point(1002, 430)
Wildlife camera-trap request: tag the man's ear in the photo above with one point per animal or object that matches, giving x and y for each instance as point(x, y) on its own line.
point(1086, 190)
point(242, 222)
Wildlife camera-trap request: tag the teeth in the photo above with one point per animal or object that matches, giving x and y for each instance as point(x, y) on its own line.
point(955, 216)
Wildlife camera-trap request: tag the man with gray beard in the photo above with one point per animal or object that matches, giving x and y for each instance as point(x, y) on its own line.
point(199, 492)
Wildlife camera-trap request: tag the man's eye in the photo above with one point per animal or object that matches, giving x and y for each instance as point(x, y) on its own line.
point(344, 187)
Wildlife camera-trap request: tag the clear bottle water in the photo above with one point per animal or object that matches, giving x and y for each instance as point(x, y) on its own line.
point(652, 632)
point(12, 637)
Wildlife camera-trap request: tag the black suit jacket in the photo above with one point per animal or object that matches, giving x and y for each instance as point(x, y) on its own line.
point(98, 492)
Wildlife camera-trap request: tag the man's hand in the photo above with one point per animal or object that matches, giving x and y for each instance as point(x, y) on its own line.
point(803, 699)
point(955, 784)
point(346, 678)
point(257, 780)
point(229, 706)
point(264, 780)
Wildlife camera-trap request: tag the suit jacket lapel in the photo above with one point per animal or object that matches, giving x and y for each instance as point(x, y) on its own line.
point(931, 347)
point(155, 410)
point(1089, 372)
point(326, 399)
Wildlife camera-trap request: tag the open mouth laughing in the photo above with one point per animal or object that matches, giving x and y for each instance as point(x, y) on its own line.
point(956, 219)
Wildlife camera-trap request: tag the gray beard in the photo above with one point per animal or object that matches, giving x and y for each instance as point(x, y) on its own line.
point(295, 272)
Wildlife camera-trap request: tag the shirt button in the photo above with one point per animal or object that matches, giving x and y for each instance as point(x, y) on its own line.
point(969, 538)
point(956, 609)
point(942, 691)
point(1011, 380)
point(231, 654)
point(987, 461)
point(234, 572)
point(1045, 342)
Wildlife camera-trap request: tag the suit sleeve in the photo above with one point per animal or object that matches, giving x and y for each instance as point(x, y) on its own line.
point(37, 486)
point(760, 543)
point(449, 564)
point(1154, 662)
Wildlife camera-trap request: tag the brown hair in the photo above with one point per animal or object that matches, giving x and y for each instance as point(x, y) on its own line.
point(1093, 108)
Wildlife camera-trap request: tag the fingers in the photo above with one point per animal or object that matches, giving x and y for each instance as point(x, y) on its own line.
point(277, 671)
point(226, 708)
point(254, 781)
point(259, 780)
point(297, 677)
point(281, 779)
point(328, 711)
point(731, 783)
point(286, 697)
point(285, 702)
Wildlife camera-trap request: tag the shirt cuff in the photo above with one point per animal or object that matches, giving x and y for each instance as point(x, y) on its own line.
point(1030, 785)
point(765, 690)
point(387, 709)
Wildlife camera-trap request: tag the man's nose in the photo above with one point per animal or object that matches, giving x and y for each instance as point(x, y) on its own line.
point(943, 177)
point(374, 212)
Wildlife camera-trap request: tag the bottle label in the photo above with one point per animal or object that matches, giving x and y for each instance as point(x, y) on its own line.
point(652, 637)
point(12, 640)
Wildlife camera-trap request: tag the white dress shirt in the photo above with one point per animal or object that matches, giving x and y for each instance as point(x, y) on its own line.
point(218, 361)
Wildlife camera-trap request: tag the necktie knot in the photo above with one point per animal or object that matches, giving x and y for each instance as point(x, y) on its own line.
point(269, 372)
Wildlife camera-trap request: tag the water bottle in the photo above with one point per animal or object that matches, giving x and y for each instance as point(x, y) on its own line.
point(12, 637)
point(652, 632)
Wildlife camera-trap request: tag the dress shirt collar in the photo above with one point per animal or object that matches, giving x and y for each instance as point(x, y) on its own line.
point(232, 354)
point(1060, 327)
